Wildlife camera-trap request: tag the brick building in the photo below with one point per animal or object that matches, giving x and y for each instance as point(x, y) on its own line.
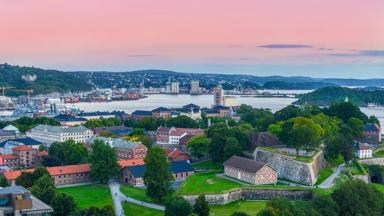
point(372, 134)
point(250, 171)
point(61, 175)
point(171, 136)
point(124, 149)
point(161, 112)
point(133, 175)
point(176, 154)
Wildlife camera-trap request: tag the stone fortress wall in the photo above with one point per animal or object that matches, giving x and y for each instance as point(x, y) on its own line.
point(291, 169)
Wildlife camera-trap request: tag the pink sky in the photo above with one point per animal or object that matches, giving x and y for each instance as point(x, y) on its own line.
point(204, 35)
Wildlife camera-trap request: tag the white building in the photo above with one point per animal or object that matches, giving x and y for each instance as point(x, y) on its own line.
point(49, 134)
point(363, 150)
point(195, 87)
point(175, 87)
point(218, 94)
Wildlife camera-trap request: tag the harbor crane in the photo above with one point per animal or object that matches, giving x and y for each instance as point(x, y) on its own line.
point(29, 92)
point(3, 88)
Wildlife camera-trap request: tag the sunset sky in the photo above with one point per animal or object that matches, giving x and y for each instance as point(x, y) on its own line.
point(319, 38)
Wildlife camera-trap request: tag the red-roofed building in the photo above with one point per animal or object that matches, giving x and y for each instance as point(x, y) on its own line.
point(26, 155)
point(172, 136)
point(61, 175)
point(10, 160)
point(130, 162)
point(176, 154)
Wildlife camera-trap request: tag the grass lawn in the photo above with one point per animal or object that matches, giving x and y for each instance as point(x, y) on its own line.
point(355, 168)
point(380, 187)
point(208, 165)
point(249, 207)
point(202, 183)
point(131, 209)
point(379, 153)
point(324, 174)
point(89, 195)
point(135, 193)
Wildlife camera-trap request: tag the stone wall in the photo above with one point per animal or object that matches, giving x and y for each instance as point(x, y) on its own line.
point(373, 161)
point(364, 178)
point(252, 194)
point(290, 169)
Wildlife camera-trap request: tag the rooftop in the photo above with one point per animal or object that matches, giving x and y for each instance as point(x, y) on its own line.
point(244, 164)
point(176, 167)
point(115, 142)
point(25, 141)
point(22, 148)
point(69, 118)
point(142, 113)
point(60, 129)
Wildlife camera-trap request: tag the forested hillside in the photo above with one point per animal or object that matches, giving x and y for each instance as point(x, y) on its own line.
point(40, 80)
point(329, 95)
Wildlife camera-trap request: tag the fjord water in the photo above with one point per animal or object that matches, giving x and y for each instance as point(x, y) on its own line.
point(156, 100)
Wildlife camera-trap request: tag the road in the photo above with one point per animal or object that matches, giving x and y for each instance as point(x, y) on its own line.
point(327, 183)
point(119, 197)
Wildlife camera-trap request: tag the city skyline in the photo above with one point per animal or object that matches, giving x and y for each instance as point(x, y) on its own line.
point(296, 38)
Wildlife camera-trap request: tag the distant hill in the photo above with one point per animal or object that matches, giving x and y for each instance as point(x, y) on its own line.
point(329, 95)
point(40, 80)
point(296, 85)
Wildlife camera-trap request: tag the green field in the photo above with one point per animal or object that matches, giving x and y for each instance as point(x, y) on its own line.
point(202, 183)
point(135, 193)
point(379, 153)
point(249, 207)
point(324, 174)
point(355, 168)
point(380, 187)
point(131, 209)
point(208, 165)
point(89, 195)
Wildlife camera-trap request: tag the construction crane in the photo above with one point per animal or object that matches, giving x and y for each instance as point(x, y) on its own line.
point(3, 88)
point(29, 92)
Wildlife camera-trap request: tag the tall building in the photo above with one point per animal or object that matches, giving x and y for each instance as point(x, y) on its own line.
point(218, 94)
point(175, 87)
point(195, 87)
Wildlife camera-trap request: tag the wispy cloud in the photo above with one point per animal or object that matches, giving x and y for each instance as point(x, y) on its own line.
point(361, 53)
point(285, 46)
point(139, 55)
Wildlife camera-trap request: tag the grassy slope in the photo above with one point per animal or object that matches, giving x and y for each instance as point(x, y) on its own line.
point(208, 165)
point(131, 209)
point(324, 174)
point(249, 207)
point(89, 195)
point(201, 183)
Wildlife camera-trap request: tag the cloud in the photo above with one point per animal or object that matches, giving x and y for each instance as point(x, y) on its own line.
point(285, 46)
point(371, 52)
point(139, 55)
point(361, 53)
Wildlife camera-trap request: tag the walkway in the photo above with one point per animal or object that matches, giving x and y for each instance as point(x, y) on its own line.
point(119, 197)
point(327, 183)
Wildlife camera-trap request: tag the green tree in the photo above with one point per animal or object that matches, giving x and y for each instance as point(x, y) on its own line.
point(137, 132)
point(94, 211)
point(103, 162)
point(3, 182)
point(339, 144)
point(216, 148)
point(44, 189)
point(103, 122)
point(201, 207)
point(278, 207)
point(239, 213)
point(357, 126)
point(182, 122)
point(345, 111)
point(231, 148)
point(63, 204)
point(177, 206)
point(25, 179)
point(157, 176)
point(325, 205)
point(288, 112)
point(40, 172)
point(242, 136)
point(198, 146)
point(355, 197)
point(69, 152)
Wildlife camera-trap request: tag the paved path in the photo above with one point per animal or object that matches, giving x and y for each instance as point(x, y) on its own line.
point(116, 196)
point(327, 183)
point(119, 197)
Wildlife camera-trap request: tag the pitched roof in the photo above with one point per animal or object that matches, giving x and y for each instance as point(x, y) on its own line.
point(12, 175)
point(142, 113)
point(362, 146)
point(101, 113)
point(130, 162)
point(7, 133)
point(25, 141)
point(116, 130)
point(60, 129)
point(10, 128)
point(372, 128)
point(115, 142)
point(22, 148)
point(8, 156)
point(176, 167)
point(244, 164)
point(161, 109)
point(42, 153)
point(180, 131)
point(69, 169)
point(174, 153)
point(191, 106)
point(69, 118)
